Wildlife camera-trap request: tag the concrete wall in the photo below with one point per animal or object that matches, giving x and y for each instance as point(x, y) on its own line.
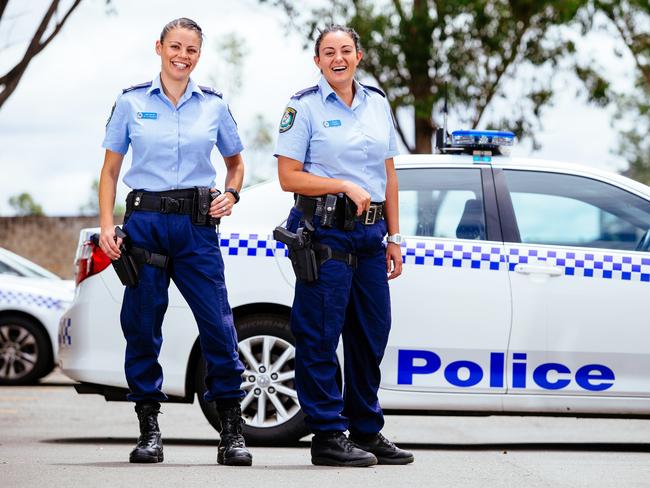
point(48, 241)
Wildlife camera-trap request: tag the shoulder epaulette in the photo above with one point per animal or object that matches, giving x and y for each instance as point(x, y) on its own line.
point(305, 91)
point(375, 89)
point(211, 91)
point(135, 87)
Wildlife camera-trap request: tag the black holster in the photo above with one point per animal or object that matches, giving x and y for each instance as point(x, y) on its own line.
point(132, 258)
point(301, 252)
point(308, 256)
point(201, 210)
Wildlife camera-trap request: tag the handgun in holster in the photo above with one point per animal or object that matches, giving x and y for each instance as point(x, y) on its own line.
point(301, 252)
point(132, 258)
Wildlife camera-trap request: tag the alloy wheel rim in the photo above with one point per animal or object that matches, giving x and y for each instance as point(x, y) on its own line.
point(18, 352)
point(268, 381)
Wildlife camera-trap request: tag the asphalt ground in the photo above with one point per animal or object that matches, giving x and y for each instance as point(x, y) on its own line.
point(52, 437)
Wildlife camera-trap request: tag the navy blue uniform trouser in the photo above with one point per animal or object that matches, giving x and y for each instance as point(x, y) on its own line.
point(198, 271)
point(354, 303)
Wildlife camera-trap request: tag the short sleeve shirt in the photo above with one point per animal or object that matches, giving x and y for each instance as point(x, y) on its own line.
point(171, 145)
point(334, 140)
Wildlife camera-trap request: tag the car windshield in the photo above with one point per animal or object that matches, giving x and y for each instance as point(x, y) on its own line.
point(13, 264)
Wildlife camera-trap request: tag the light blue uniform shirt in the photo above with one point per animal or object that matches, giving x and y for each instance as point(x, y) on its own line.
point(337, 141)
point(171, 144)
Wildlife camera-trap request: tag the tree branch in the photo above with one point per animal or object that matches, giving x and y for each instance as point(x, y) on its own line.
point(401, 134)
point(10, 80)
point(3, 5)
point(645, 71)
point(400, 10)
point(492, 90)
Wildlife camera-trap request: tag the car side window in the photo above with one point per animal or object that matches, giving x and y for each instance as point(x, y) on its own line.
point(6, 270)
point(568, 210)
point(441, 203)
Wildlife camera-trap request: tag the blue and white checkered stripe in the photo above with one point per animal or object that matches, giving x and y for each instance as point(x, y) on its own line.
point(588, 264)
point(485, 256)
point(10, 297)
point(251, 245)
point(65, 339)
point(453, 254)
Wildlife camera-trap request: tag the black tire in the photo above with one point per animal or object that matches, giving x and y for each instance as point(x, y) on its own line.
point(25, 351)
point(289, 431)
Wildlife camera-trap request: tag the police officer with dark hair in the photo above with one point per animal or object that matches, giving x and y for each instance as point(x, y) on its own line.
point(335, 152)
point(172, 125)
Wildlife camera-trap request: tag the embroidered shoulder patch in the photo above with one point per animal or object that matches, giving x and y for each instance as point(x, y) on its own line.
point(111, 114)
point(288, 119)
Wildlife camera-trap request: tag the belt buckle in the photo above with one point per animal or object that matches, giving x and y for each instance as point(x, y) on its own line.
point(371, 214)
point(169, 205)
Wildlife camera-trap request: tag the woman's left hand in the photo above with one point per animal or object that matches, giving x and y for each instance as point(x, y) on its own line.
point(222, 205)
point(393, 260)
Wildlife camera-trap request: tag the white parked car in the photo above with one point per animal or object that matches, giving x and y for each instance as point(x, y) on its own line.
point(525, 290)
point(32, 300)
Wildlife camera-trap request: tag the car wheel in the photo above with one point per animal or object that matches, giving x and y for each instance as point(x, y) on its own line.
point(24, 351)
point(270, 408)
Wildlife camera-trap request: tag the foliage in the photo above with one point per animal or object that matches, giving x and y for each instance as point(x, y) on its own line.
point(24, 205)
point(413, 49)
point(630, 19)
point(634, 141)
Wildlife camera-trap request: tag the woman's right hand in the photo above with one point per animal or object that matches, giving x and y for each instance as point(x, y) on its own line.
point(109, 243)
point(358, 195)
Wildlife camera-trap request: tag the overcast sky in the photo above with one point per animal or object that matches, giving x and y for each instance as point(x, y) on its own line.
point(51, 128)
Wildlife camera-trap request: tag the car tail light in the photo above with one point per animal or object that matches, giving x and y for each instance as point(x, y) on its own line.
point(91, 260)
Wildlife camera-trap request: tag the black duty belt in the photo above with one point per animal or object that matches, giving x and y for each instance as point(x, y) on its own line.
point(172, 201)
point(319, 206)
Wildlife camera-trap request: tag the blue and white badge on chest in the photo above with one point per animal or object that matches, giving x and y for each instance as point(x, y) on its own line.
point(147, 115)
point(331, 123)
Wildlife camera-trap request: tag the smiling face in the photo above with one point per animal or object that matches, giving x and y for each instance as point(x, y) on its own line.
point(179, 53)
point(338, 58)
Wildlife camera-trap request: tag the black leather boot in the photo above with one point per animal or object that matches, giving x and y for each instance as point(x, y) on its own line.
point(149, 448)
point(335, 449)
point(232, 446)
point(385, 450)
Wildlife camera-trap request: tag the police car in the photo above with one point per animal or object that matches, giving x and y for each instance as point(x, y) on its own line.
point(525, 291)
point(31, 302)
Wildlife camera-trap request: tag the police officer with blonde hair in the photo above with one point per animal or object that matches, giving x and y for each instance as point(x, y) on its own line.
point(172, 124)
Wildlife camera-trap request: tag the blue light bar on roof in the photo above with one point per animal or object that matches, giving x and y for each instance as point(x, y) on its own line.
point(482, 138)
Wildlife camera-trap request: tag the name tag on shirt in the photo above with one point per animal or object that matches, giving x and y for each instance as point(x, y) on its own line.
point(148, 115)
point(332, 123)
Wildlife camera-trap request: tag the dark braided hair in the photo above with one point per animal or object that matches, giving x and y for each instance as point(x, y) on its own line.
point(182, 23)
point(337, 28)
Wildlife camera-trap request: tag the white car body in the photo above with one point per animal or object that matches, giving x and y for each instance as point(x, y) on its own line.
point(36, 295)
point(485, 326)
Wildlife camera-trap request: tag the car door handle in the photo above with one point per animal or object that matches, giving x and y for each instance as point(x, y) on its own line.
point(538, 269)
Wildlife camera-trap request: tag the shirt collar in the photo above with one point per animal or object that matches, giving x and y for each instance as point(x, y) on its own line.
point(155, 87)
point(192, 87)
point(326, 90)
point(360, 91)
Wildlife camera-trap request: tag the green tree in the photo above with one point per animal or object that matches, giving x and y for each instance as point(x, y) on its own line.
point(24, 205)
point(413, 49)
point(630, 20)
